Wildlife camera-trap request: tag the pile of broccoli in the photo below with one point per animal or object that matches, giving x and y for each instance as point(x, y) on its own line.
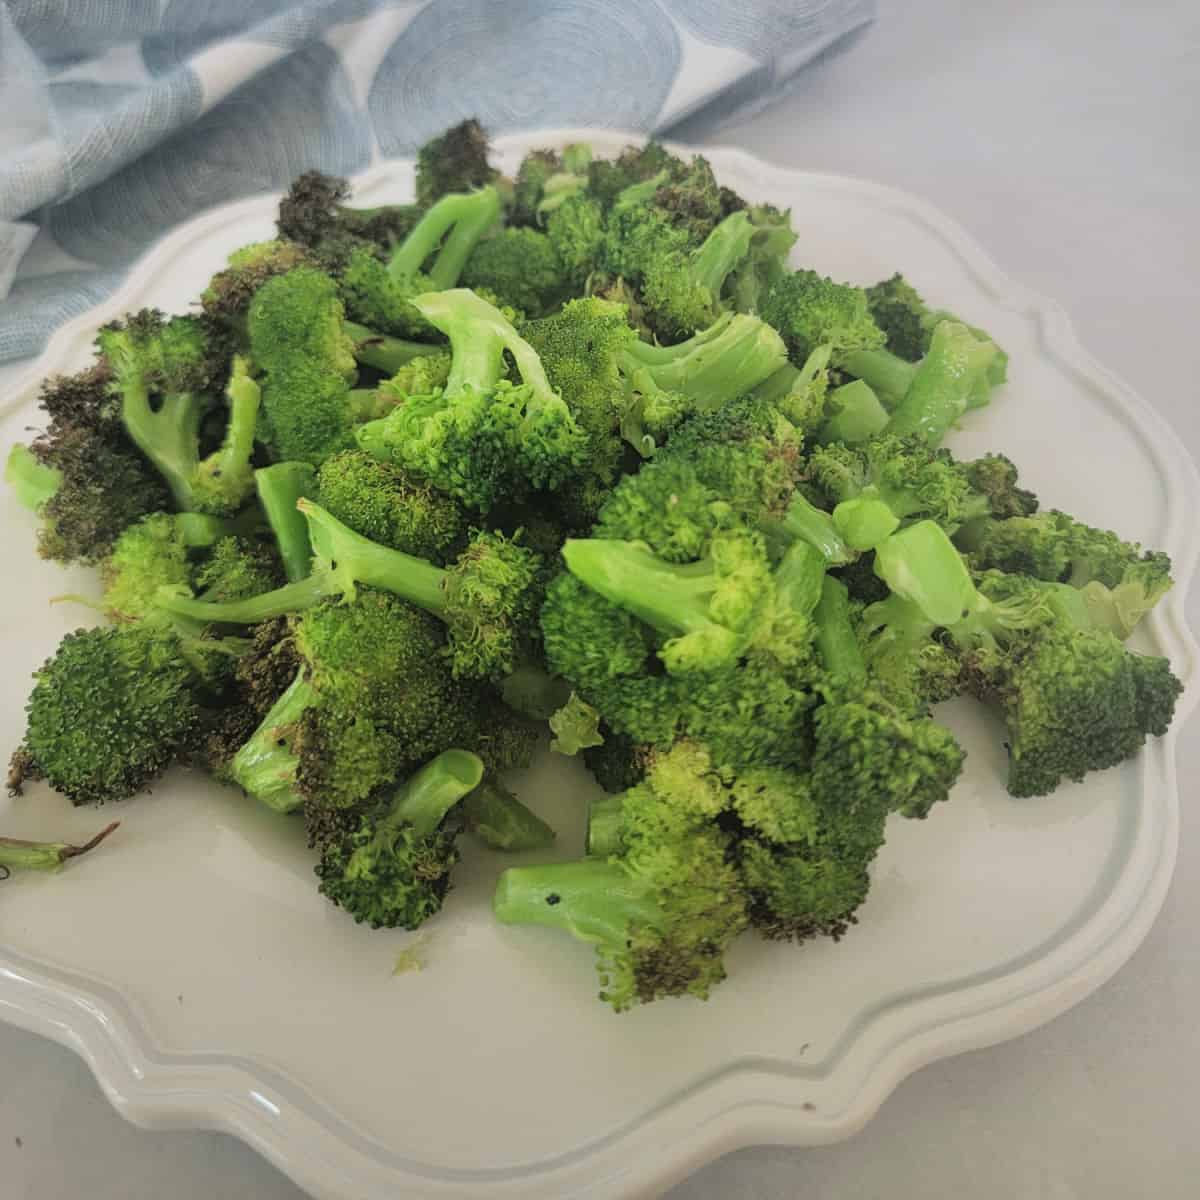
point(576, 453)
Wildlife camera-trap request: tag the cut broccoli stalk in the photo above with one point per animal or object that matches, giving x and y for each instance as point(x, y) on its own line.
point(605, 822)
point(888, 375)
point(384, 353)
point(279, 488)
point(857, 415)
point(799, 576)
point(864, 522)
point(495, 816)
point(808, 523)
point(34, 483)
point(18, 855)
point(837, 643)
point(455, 223)
point(592, 899)
point(265, 766)
point(942, 383)
point(921, 565)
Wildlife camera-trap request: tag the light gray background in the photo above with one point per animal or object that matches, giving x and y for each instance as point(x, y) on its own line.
point(1066, 138)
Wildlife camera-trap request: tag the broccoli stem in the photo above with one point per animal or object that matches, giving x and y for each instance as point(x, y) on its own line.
point(799, 576)
point(18, 855)
point(803, 520)
point(605, 819)
point(167, 437)
point(721, 251)
point(887, 374)
point(279, 487)
point(33, 482)
point(502, 822)
point(837, 643)
point(778, 384)
point(265, 766)
point(291, 598)
point(731, 357)
point(424, 799)
point(670, 597)
point(857, 415)
point(865, 521)
point(592, 899)
point(384, 353)
point(461, 219)
point(943, 383)
point(201, 530)
point(920, 564)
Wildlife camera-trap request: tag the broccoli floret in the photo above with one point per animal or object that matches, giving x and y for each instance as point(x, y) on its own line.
point(521, 267)
point(382, 502)
point(378, 293)
point(810, 310)
point(151, 358)
point(456, 161)
point(19, 855)
point(238, 568)
point(104, 483)
point(229, 292)
point(481, 438)
point(487, 598)
point(576, 727)
point(618, 762)
point(1119, 581)
point(353, 719)
point(314, 215)
point(393, 870)
point(663, 909)
point(297, 338)
point(608, 178)
point(575, 229)
point(113, 709)
point(901, 479)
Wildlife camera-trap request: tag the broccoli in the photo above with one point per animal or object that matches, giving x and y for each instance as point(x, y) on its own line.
point(481, 438)
point(1118, 580)
point(230, 291)
point(313, 215)
point(810, 310)
point(662, 910)
point(102, 484)
point(379, 293)
point(519, 266)
point(487, 598)
point(576, 727)
point(888, 481)
point(494, 815)
point(608, 178)
point(115, 707)
point(279, 487)
point(172, 361)
point(353, 718)
point(18, 855)
point(1074, 698)
point(456, 161)
point(771, 242)
point(393, 869)
point(382, 502)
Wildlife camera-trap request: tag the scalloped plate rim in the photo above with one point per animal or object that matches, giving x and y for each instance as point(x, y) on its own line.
point(744, 1104)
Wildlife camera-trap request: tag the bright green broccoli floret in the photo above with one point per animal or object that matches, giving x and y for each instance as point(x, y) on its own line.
point(393, 870)
point(230, 291)
point(661, 910)
point(481, 438)
point(382, 502)
point(430, 259)
point(810, 310)
point(902, 479)
point(487, 598)
point(521, 267)
point(172, 361)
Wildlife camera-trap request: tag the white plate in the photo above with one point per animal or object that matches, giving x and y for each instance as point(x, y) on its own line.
point(193, 965)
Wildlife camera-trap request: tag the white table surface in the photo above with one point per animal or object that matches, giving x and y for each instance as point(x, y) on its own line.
point(1066, 137)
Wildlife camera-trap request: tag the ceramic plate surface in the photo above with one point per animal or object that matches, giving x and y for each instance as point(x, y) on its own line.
point(194, 966)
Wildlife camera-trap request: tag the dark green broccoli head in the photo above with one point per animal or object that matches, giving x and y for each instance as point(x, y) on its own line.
point(112, 710)
point(995, 477)
point(536, 169)
point(897, 310)
point(238, 568)
point(230, 291)
point(457, 161)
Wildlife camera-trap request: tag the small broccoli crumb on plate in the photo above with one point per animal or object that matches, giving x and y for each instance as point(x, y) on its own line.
point(641, 571)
